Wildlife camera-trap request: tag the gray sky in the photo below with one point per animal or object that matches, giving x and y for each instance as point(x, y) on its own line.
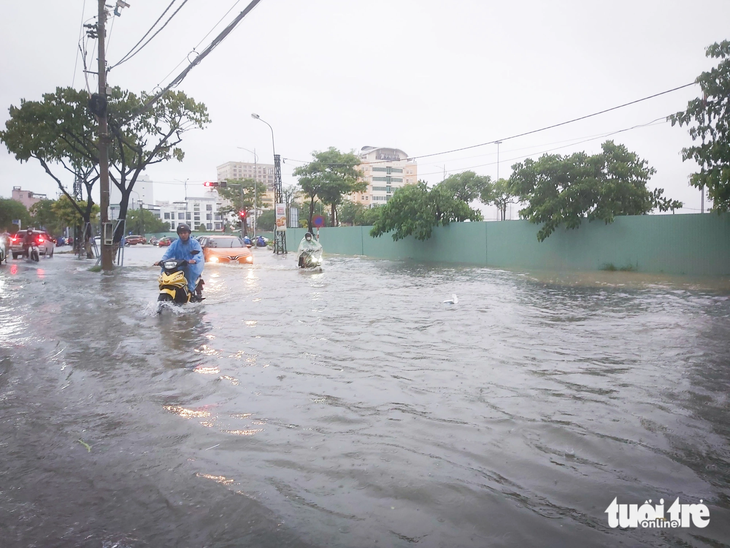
point(425, 76)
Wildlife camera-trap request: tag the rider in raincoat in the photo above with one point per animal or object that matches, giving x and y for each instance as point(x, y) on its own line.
point(310, 251)
point(182, 249)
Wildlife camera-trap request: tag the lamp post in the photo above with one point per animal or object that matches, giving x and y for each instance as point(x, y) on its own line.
point(255, 186)
point(279, 235)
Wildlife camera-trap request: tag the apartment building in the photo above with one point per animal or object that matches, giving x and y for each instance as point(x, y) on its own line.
point(385, 170)
point(263, 173)
point(194, 212)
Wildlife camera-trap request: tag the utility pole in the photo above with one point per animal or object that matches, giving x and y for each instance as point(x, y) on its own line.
point(107, 251)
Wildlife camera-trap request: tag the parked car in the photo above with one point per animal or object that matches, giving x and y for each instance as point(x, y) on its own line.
point(43, 240)
point(165, 241)
point(153, 241)
point(225, 249)
point(134, 239)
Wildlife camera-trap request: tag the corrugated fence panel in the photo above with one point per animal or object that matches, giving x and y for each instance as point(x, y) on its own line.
point(674, 244)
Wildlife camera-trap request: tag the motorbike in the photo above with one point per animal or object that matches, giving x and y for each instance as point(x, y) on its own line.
point(174, 286)
point(32, 252)
point(309, 255)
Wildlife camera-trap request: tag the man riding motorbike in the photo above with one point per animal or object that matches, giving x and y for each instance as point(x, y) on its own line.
point(186, 248)
point(310, 252)
point(28, 241)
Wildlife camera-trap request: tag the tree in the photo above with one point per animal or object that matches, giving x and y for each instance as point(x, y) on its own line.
point(58, 131)
point(43, 215)
point(67, 212)
point(240, 195)
point(466, 186)
point(414, 210)
point(349, 211)
point(61, 130)
point(567, 189)
point(141, 221)
point(501, 195)
point(709, 118)
point(11, 210)
point(329, 177)
point(266, 220)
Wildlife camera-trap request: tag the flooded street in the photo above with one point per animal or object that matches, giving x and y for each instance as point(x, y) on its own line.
point(354, 407)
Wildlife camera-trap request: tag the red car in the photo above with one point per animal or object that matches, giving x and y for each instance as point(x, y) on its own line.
point(165, 241)
point(135, 239)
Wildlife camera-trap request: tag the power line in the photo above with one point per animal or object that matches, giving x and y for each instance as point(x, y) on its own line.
point(198, 44)
point(131, 52)
point(81, 34)
point(216, 41)
point(554, 125)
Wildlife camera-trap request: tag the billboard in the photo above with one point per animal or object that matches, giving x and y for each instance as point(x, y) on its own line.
point(281, 217)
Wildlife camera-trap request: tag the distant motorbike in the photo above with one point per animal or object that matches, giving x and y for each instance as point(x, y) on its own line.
point(174, 286)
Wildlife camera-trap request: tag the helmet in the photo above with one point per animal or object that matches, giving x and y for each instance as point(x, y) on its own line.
point(182, 227)
point(308, 235)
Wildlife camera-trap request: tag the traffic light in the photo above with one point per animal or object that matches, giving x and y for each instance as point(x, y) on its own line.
point(222, 184)
point(242, 214)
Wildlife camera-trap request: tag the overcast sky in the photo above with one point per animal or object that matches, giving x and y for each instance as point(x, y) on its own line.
point(424, 76)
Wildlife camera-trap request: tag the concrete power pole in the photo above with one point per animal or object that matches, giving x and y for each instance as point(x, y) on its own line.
point(107, 251)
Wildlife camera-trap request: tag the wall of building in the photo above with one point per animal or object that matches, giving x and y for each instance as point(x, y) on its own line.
point(672, 244)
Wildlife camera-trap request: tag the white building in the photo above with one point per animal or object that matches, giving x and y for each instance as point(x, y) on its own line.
point(142, 196)
point(193, 212)
point(385, 170)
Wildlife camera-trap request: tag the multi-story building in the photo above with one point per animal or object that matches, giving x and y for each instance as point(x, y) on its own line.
point(142, 196)
point(194, 212)
point(385, 170)
point(263, 173)
point(26, 197)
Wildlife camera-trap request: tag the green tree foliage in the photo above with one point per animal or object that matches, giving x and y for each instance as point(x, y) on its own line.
point(708, 119)
point(43, 215)
point(240, 195)
point(142, 221)
point(11, 210)
point(357, 214)
point(265, 222)
point(567, 189)
point(59, 133)
point(329, 177)
point(466, 186)
point(60, 130)
point(501, 195)
point(67, 212)
point(414, 210)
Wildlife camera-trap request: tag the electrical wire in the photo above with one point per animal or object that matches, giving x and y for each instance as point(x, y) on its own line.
point(215, 43)
point(554, 125)
point(544, 151)
point(197, 45)
point(132, 52)
point(81, 35)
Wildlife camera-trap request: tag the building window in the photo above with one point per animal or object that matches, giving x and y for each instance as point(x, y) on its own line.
point(181, 216)
point(209, 207)
point(187, 215)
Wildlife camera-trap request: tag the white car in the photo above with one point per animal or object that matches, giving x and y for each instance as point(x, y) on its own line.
point(43, 240)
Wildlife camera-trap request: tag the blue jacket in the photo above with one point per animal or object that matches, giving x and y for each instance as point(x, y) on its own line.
point(180, 250)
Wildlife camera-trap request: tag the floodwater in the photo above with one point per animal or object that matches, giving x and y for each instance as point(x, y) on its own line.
point(353, 407)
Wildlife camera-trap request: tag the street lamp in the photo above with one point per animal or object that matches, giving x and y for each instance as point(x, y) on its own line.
point(255, 186)
point(257, 117)
point(279, 235)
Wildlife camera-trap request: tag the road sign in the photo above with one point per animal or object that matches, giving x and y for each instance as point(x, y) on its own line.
point(318, 221)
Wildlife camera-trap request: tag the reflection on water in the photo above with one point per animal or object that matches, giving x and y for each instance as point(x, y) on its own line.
point(352, 407)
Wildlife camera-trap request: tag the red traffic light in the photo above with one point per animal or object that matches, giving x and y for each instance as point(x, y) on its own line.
point(242, 214)
point(210, 183)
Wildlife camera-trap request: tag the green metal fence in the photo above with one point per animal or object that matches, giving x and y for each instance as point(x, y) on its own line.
point(672, 244)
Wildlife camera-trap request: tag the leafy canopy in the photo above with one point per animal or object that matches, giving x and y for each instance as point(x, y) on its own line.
point(329, 177)
point(567, 189)
point(414, 210)
point(708, 119)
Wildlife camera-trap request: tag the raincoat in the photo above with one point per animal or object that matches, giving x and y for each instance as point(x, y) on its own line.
point(309, 248)
point(180, 250)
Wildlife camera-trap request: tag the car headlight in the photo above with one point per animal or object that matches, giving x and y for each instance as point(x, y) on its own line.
point(249, 259)
point(213, 259)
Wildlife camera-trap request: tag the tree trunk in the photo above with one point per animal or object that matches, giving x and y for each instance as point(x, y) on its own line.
point(311, 213)
point(334, 219)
